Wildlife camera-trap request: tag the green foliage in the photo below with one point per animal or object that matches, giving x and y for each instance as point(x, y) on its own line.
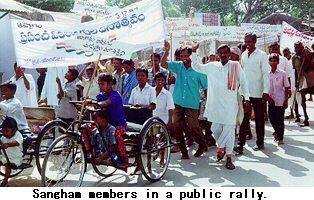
point(51, 5)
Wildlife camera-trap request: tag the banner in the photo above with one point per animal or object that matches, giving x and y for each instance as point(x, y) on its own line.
point(260, 29)
point(93, 8)
point(140, 24)
point(267, 39)
point(290, 35)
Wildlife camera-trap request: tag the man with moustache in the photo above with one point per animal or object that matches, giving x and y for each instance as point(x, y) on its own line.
point(225, 78)
point(256, 68)
point(186, 98)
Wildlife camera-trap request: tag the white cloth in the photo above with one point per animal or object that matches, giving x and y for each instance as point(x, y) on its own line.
point(66, 109)
point(13, 108)
point(15, 154)
point(145, 97)
point(164, 104)
point(172, 86)
point(224, 136)
point(94, 89)
point(222, 103)
point(284, 65)
point(292, 78)
point(26, 97)
point(50, 89)
point(256, 69)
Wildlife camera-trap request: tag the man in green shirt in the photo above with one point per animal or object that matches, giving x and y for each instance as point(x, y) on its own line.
point(186, 98)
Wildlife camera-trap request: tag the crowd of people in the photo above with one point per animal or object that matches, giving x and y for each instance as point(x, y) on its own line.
point(199, 99)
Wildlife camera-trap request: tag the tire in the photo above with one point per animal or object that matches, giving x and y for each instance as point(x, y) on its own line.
point(65, 163)
point(104, 171)
point(154, 138)
point(46, 136)
point(14, 172)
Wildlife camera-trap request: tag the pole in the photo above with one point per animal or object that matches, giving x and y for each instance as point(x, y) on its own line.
point(153, 61)
point(90, 84)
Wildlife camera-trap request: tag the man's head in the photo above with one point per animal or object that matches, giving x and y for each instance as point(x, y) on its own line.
point(102, 118)
point(298, 48)
point(205, 59)
point(185, 54)
point(250, 41)
point(224, 53)
point(287, 53)
point(118, 64)
point(274, 48)
point(160, 79)
point(8, 90)
point(9, 127)
point(212, 58)
point(155, 57)
point(128, 66)
point(177, 55)
point(41, 70)
point(90, 71)
point(235, 54)
point(71, 75)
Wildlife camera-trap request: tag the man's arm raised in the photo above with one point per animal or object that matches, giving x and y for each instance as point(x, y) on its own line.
point(164, 63)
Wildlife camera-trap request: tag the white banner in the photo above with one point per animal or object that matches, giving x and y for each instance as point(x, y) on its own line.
point(267, 39)
point(260, 29)
point(291, 35)
point(93, 8)
point(140, 24)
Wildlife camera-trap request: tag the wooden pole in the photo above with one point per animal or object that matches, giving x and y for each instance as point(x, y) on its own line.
point(90, 84)
point(153, 61)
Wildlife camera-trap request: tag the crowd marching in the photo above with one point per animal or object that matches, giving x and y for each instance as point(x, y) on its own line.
point(208, 100)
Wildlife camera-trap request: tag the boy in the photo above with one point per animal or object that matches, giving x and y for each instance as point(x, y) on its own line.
point(67, 92)
point(278, 97)
point(94, 89)
point(143, 95)
point(11, 141)
point(108, 131)
point(165, 106)
point(11, 106)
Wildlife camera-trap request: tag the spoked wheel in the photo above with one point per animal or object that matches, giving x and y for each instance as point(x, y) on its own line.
point(46, 136)
point(154, 149)
point(104, 170)
point(64, 164)
point(14, 172)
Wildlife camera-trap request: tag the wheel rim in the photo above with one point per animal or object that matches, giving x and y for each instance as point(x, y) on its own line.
point(64, 165)
point(45, 139)
point(104, 171)
point(155, 139)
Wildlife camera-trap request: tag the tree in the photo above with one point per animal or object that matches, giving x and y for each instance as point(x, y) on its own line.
point(55, 5)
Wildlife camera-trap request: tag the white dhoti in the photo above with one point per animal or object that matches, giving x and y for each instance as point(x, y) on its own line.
point(224, 136)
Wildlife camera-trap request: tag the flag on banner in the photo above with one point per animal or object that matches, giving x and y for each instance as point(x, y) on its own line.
point(290, 35)
point(140, 24)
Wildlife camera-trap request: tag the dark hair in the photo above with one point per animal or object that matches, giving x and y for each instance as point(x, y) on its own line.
point(205, 58)
point(9, 84)
point(160, 75)
point(177, 52)
point(275, 56)
point(273, 44)
point(74, 73)
point(286, 49)
point(128, 62)
point(10, 123)
point(241, 46)
point(142, 69)
point(251, 35)
point(156, 55)
point(15, 65)
point(299, 43)
point(119, 59)
point(90, 68)
point(103, 114)
point(223, 46)
point(186, 48)
point(106, 77)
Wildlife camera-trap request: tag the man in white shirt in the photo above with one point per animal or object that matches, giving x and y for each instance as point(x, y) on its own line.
point(224, 79)
point(256, 68)
point(118, 74)
point(25, 91)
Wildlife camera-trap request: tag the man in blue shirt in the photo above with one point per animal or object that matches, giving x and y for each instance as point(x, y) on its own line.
point(186, 98)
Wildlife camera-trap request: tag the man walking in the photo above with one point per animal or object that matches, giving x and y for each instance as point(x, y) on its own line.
point(256, 68)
